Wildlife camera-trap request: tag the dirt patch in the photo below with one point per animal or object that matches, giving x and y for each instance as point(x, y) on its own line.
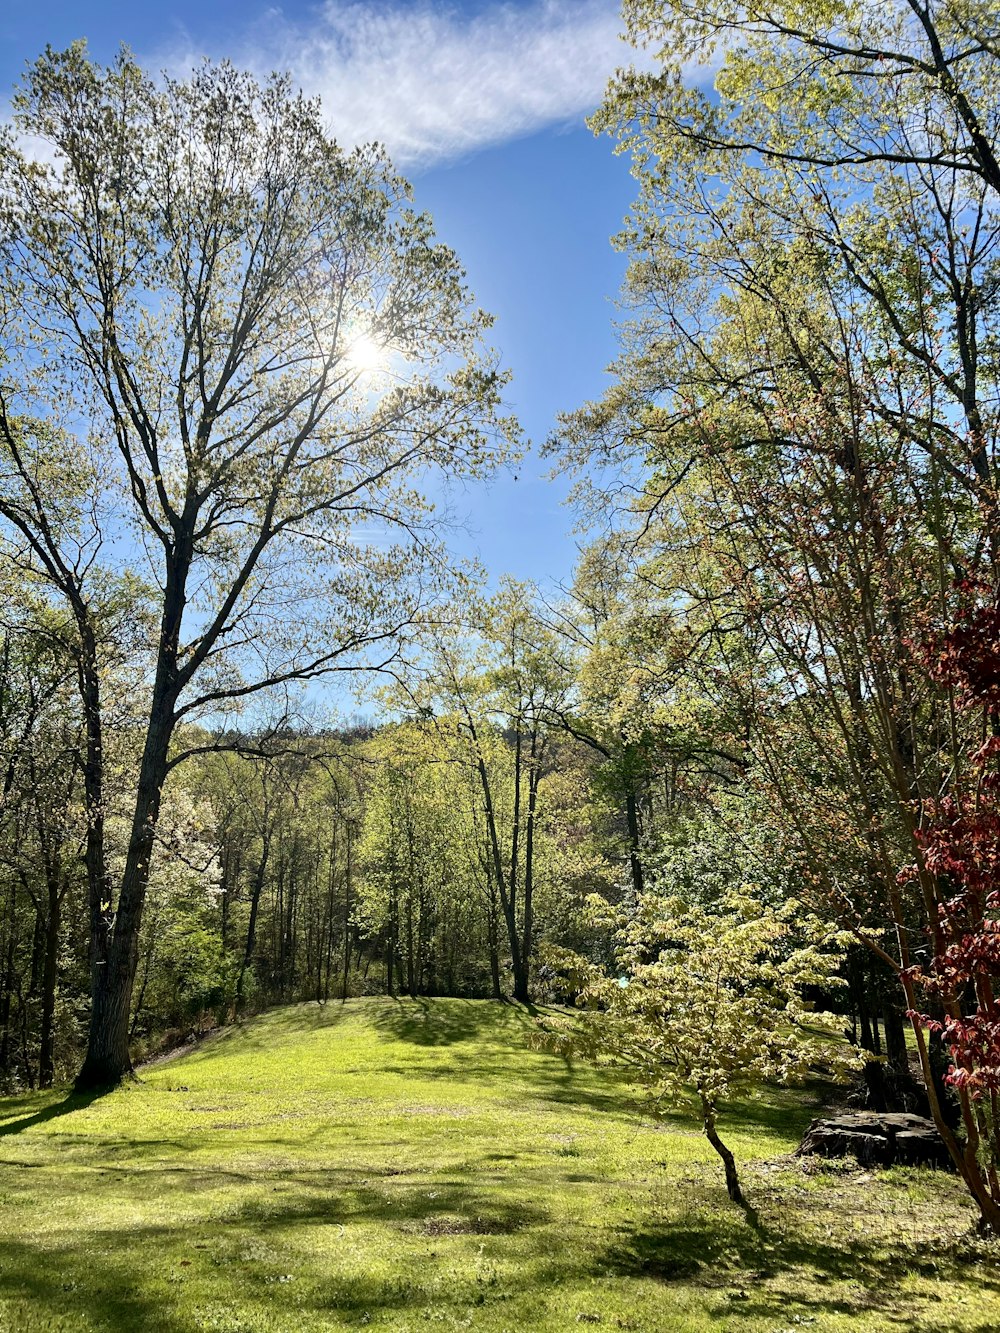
point(470, 1226)
point(442, 1112)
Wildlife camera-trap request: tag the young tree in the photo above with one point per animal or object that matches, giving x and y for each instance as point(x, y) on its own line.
point(708, 1004)
point(232, 353)
point(958, 844)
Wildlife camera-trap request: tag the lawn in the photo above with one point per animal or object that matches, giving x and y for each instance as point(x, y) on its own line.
point(414, 1165)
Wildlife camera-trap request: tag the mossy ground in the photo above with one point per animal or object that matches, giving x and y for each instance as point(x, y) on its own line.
point(413, 1165)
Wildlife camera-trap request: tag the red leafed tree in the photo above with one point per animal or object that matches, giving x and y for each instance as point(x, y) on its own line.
point(959, 844)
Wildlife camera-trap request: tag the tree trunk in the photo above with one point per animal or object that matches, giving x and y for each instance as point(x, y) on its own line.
point(46, 1055)
point(491, 928)
point(390, 982)
point(634, 837)
point(251, 940)
point(520, 980)
point(347, 919)
point(108, 1062)
point(8, 978)
point(411, 980)
point(113, 976)
point(728, 1160)
point(534, 777)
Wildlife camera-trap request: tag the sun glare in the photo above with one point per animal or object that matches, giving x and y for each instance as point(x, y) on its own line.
point(365, 356)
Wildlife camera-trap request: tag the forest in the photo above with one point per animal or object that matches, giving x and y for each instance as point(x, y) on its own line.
point(720, 813)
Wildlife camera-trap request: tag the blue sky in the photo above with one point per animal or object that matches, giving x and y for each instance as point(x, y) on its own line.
point(482, 105)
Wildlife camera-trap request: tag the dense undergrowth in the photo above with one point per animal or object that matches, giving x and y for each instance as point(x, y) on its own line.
point(413, 1165)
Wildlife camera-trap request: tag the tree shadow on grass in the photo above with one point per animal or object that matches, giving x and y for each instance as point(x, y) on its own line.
point(261, 1031)
point(579, 1088)
point(67, 1288)
point(384, 1198)
point(424, 1022)
point(237, 1260)
point(779, 1111)
point(720, 1251)
point(449, 1230)
point(73, 1101)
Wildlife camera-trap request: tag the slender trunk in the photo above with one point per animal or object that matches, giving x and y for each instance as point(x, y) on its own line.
point(411, 983)
point(98, 879)
point(534, 777)
point(728, 1160)
point(492, 923)
point(347, 919)
point(46, 1055)
point(634, 837)
point(8, 977)
point(26, 1063)
point(107, 1061)
point(515, 832)
point(289, 946)
point(331, 885)
point(37, 949)
point(251, 939)
point(390, 949)
point(411, 875)
point(230, 868)
point(520, 981)
point(964, 1156)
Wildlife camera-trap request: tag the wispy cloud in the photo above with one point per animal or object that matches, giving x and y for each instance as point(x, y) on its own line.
point(432, 82)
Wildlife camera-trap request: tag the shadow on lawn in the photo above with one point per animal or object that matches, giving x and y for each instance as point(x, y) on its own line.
point(73, 1101)
point(260, 1031)
point(505, 1060)
point(722, 1252)
point(65, 1288)
point(238, 1261)
point(444, 1022)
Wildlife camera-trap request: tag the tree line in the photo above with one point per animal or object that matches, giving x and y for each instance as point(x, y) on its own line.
point(762, 720)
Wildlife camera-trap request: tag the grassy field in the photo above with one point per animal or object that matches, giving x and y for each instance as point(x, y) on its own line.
point(412, 1165)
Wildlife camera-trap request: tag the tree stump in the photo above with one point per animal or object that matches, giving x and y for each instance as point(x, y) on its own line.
point(877, 1139)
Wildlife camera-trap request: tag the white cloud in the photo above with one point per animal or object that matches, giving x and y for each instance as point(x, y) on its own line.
point(432, 82)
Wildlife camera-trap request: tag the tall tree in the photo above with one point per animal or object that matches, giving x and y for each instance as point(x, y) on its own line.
point(495, 687)
point(806, 414)
point(254, 348)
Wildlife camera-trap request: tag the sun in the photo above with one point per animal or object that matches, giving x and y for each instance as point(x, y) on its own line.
point(365, 356)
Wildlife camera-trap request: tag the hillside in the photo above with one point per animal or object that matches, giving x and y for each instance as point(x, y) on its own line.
point(412, 1165)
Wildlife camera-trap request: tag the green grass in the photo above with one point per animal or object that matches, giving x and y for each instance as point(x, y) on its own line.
point(413, 1165)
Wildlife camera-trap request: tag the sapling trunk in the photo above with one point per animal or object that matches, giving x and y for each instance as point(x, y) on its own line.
point(728, 1160)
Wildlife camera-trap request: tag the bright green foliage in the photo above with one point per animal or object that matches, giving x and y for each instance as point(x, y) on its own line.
point(709, 1003)
point(490, 700)
point(421, 885)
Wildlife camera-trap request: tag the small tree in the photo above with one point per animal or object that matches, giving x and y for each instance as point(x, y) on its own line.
point(709, 1003)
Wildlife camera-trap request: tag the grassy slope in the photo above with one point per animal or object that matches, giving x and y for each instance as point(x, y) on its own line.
point(411, 1165)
